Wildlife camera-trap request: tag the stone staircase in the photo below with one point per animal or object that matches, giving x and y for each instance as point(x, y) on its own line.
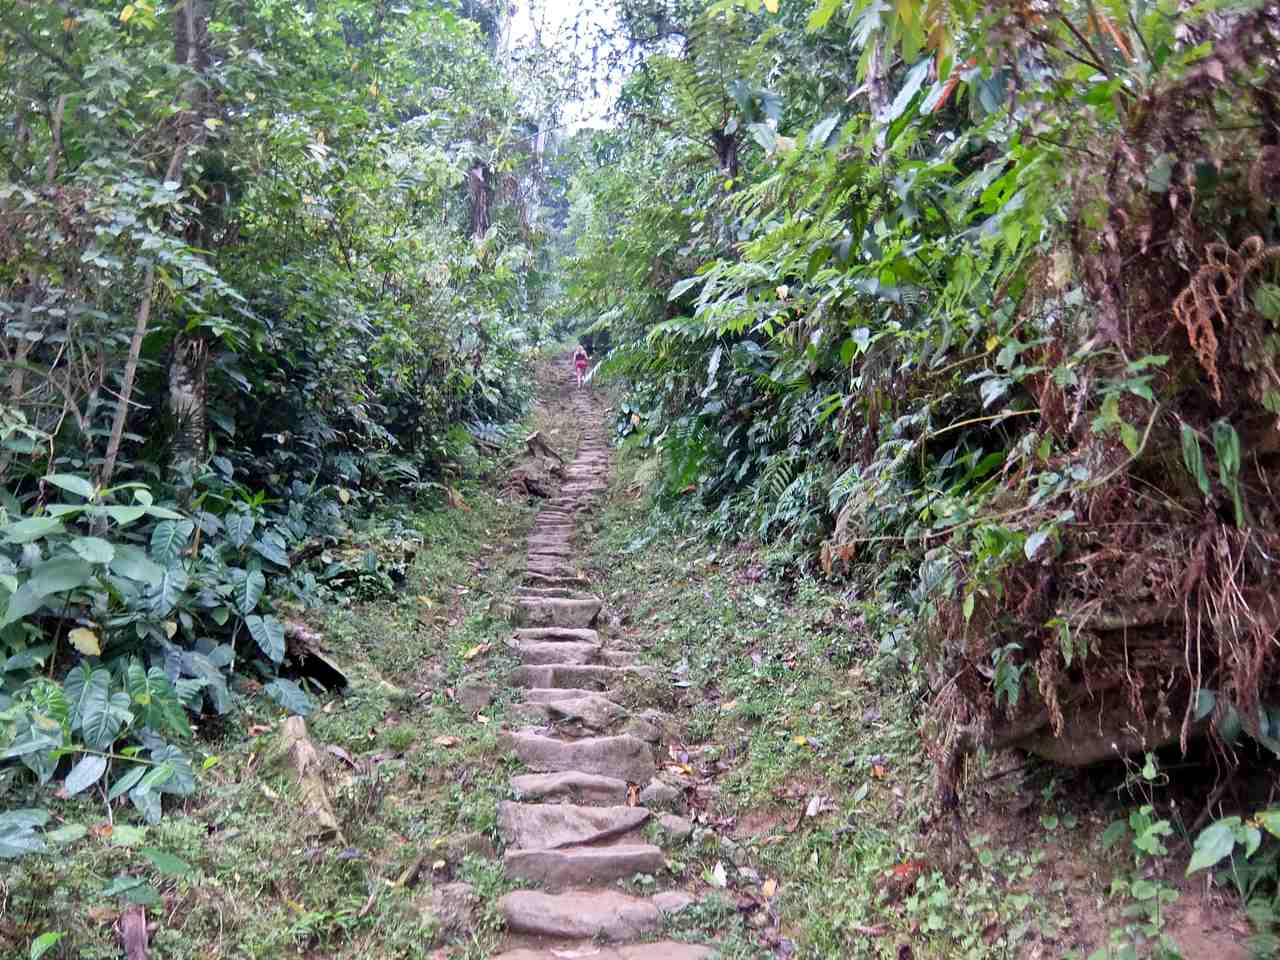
point(576, 827)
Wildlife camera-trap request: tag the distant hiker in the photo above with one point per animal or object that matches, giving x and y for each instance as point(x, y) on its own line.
point(580, 363)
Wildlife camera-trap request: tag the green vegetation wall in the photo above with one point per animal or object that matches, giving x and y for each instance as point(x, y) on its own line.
point(261, 264)
point(978, 303)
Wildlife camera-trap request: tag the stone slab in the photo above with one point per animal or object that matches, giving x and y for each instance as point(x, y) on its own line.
point(571, 785)
point(545, 826)
point(579, 866)
point(554, 612)
point(539, 653)
point(579, 634)
point(591, 710)
point(603, 914)
point(587, 676)
point(626, 758)
point(658, 950)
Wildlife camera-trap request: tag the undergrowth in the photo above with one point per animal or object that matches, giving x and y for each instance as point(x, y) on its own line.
point(799, 701)
point(234, 871)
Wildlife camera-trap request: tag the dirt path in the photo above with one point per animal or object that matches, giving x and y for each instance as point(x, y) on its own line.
point(591, 785)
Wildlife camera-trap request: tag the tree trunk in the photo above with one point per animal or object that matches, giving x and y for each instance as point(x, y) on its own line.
point(726, 147)
point(480, 193)
point(188, 403)
point(190, 42)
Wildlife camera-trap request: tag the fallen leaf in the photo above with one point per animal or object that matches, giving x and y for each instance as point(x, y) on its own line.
point(446, 741)
point(475, 651)
point(879, 771)
point(719, 877)
point(439, 864)
point(633, 796)
point(481, 718)
point(769, 888)
point(86, 641)
point(728, 704)
point(258, 728)
point(340, 753)
point(800, 741)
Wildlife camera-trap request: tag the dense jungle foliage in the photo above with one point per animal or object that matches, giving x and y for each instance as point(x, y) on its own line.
point(973, 306)
point(976, 304)
point(262, 266)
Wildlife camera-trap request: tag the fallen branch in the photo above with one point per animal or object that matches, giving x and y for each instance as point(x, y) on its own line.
point(297, 751)
point(536, 445)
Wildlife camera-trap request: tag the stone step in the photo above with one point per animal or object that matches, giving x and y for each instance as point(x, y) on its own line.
point(658, 950)
point(618, 658)
point(626, 758)
point(578, 634)
point(570, 582)
point(592, 711)
point(570, 785)
point(545, 826)
point(588, 914)
point(556, 652)
point(581, 866)
point(554, 612)
point(587, 676)
point(561, 553)
point(551, 568)
point(560, 593)
point(556, 694)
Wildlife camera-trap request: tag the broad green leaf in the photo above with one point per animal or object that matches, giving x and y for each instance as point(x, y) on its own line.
point(1270, 820)
point(1114, 833)
point(166, 863)
point(166, 594)
point(1266, 299)
point(268, 633)
point(1193, 459)
point(822, 14)
point(93, 549)
point(44, 943)
point(126, 783)
point(1215, 842)
point(84, 774)
point(169, 539)
point(910, 87)
point(67, 833)
point(249, 591)
point(123, 515)
point(133, 889)
point(18, 832)
point(272, 547)
point(59, 575)
point(25, 601)
point(822, 131)
point(134, 564)
point(26, 531)
point(181, 779)
point(290, 696)
point(72, 484)
point(239, 528)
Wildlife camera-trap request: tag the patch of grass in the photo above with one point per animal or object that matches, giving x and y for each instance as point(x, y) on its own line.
point(408, 768)
point(799, 705)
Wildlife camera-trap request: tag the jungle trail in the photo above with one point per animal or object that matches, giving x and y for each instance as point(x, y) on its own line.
point(896, 579)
